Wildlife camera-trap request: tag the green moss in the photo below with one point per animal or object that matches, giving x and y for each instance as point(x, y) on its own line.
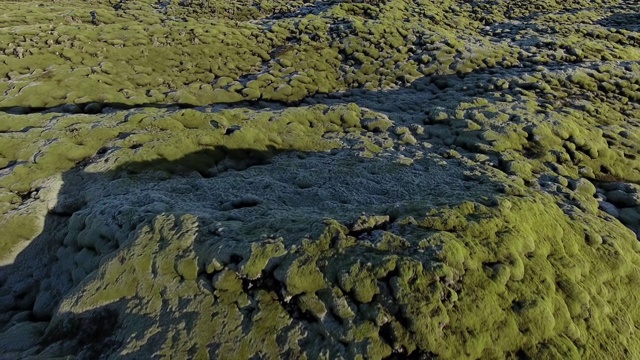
point(191, 119)
point(584, 81)
point(312, 304)
point(360, 281)
point(18, 228)
point(301, 276)
point(537, 275)
point(261, 254)
point(378, 124)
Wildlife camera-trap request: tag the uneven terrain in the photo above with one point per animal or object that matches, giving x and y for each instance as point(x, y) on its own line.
point(355, 179)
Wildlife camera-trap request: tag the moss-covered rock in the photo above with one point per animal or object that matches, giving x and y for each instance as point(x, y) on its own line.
point(345, 179)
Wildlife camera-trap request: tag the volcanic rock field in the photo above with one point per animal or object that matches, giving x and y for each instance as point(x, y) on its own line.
point(328, 179)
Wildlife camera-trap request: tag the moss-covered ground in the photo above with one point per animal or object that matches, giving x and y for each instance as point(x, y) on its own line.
point(320, 179)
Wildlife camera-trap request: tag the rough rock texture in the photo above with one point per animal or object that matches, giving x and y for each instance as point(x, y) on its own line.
point(320, 179)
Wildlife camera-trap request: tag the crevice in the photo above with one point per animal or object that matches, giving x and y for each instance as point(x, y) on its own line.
point(267, 282)
point(387, 334)
point(369, 229)
point(522, 355)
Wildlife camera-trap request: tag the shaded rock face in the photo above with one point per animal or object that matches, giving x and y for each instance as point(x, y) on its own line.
point(320, 179)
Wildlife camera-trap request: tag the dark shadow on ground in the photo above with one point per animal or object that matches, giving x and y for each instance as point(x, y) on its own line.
point(622, 21)
point(442, 89)
point(43, 273)
point(74, 243)
point(94, 108)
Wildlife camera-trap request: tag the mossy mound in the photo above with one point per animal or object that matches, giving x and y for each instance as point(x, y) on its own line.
point(463, 281)
point(320, 179)
point(202, 52)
